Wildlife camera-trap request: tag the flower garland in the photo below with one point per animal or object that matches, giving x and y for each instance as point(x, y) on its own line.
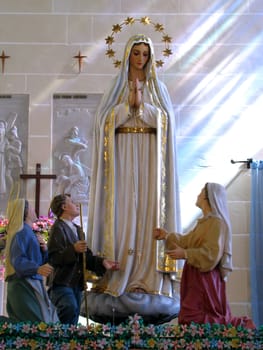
point(132, 334)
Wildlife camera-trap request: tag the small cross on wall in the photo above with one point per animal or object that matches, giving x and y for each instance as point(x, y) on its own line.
point(3, 57)
point(80, 58)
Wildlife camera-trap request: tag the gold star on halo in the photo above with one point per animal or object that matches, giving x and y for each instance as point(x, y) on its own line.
point(117, 63)
point(145, 20)
point(166, 39)
point(109, 40)
point(110, 53)
point(158, 27)
point(129, 20)
point(116, 28)
point(167, 52)
point(159, 63)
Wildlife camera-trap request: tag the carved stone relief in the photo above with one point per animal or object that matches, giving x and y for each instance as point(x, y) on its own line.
point(13, 143)
point(73, 121)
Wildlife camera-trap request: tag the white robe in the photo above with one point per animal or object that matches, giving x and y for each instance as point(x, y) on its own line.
point(135, 206)
point(133, 189)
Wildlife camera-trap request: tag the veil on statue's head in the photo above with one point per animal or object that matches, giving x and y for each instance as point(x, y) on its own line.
point(218, 202)
point(118, 89)
point(15, 216)
point(150, 68)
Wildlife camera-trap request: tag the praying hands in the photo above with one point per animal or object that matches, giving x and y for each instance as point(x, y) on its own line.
point(135, 95)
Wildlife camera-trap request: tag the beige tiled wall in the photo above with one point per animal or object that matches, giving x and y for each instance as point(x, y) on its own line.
point(43, 36)
point(238, 286)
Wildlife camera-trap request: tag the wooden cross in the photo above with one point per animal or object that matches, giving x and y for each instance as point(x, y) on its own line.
point(3, 58)
point(37, 176)
point(80, 59)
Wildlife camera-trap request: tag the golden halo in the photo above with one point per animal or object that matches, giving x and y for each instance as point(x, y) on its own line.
point(158, 27)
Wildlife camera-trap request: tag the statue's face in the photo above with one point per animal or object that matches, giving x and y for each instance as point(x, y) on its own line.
point(139, 56)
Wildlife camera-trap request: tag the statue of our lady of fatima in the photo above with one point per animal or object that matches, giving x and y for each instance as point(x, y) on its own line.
point(134, 188)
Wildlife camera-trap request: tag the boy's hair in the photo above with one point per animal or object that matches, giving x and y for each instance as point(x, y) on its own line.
point(57, 203)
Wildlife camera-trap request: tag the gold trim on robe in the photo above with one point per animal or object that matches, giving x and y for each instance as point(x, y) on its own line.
point(135, 130)
point(109, 228)
point(163, 262)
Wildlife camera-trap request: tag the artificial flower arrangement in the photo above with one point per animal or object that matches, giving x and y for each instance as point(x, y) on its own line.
point(132, 334)
point(3, 225)
point(42, 225)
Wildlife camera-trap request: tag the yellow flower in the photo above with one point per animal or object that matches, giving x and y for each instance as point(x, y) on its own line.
point(198, 345)
point(119, 344)
point(72, 344)
point(177, 328)
point(151, 342)
point(33, 344)
point(233, 331)
point(235, 343)
point(42, 326)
